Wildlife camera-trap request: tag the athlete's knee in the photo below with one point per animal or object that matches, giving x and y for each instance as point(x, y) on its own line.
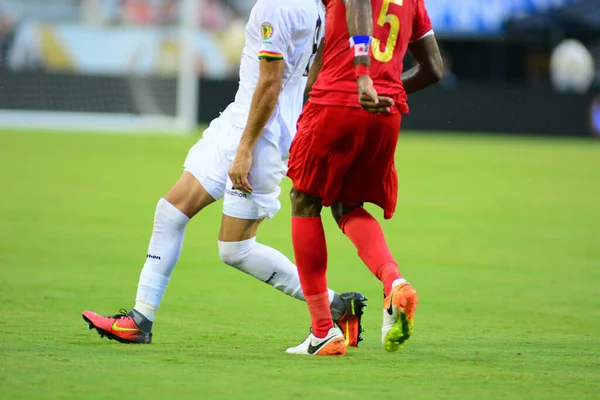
point(304, 205)
point(167, 216)
point(235, 253)
point(339, 210)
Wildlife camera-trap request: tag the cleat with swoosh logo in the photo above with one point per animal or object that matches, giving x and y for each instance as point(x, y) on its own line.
point(398, 316)
point(350, 322)
point(331, 345)
point(120, 327)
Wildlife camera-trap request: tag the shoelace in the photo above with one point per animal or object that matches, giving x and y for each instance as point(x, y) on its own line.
point(122, 314)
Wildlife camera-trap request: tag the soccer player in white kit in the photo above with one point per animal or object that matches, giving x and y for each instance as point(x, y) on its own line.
point(241, 158)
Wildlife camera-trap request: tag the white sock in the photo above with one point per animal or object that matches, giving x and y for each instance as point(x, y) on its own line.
point(398, 281)
point(265, 264)
point(163, 254)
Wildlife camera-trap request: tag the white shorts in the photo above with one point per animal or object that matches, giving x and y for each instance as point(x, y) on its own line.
point(209, 161)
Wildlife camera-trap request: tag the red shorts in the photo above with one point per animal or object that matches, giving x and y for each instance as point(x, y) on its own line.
point(346, 154)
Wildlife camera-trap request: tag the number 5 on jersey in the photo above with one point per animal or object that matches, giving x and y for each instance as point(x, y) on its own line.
point(394, 22)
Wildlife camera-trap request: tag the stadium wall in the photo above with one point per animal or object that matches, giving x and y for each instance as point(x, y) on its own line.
point(468, 107)
point(472, 107)
point(504, 109)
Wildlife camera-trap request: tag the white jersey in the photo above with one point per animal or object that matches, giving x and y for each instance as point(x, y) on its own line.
point(287, 30)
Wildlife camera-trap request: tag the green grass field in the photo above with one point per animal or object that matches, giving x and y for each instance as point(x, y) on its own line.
point(501, 236)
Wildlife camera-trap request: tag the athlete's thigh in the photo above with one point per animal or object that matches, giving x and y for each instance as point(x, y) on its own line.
point(269, 167)
point(237, 229)
point(209, 159)
point(188, 195)
point(266, 173)
point(325, 148)
point(372, 177)
point(334, 130)
point(376, 154)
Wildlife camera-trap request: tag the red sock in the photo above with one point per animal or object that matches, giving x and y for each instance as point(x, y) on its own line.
point(310, 250)
point(366, 234)
point(320, 314)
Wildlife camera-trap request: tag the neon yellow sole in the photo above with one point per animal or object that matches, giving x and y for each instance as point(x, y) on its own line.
point(400, 333)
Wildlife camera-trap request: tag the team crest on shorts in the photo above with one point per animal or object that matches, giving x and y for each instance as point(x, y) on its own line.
point(267, 31)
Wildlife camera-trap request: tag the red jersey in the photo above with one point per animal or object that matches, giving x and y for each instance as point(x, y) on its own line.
point(395, 24)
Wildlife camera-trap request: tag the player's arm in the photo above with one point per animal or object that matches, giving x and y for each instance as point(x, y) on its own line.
point(315, 68)
point(359, 20)
point(263, 104)
point(430, 67)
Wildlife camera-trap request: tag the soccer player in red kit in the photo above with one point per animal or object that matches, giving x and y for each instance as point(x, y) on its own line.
point(343, 153)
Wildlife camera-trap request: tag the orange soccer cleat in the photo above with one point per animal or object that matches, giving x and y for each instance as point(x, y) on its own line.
point(350, 321)
point(398, 315)
point(120, 327)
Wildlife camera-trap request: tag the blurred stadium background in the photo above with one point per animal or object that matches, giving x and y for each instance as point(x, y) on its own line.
point(497, 223)
point(142, 57)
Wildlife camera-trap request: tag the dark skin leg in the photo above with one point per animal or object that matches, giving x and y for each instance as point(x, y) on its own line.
point(305, 206)
point(338, 210)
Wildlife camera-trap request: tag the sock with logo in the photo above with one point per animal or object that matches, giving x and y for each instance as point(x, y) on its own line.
point(367, 236)
point(310, 249)
point(270, 266)
point(163, 254)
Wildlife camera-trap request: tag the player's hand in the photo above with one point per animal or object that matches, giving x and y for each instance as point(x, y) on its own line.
point(239, 170)
point(368, 98)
